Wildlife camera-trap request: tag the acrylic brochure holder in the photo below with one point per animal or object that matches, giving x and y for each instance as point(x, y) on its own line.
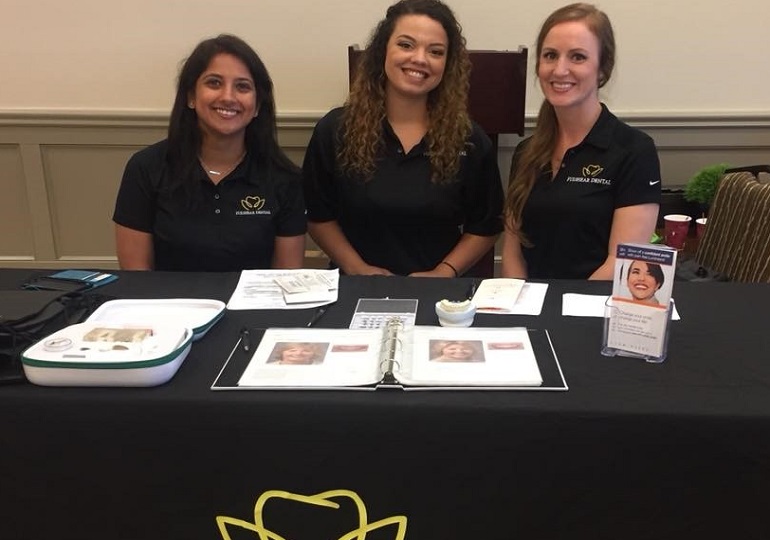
point(651, 346)
point(637, 317)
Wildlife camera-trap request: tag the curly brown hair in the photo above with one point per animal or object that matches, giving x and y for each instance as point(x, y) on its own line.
point(539, 148)
point(450, 124)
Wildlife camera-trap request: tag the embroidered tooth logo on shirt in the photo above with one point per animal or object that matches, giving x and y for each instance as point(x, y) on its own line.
point(591, 176)
point(592, 170)
point(253, 203)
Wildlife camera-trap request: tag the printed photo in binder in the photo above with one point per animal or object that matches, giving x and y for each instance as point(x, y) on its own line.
point(412, 356)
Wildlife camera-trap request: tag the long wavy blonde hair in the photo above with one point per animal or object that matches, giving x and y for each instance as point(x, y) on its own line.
point(449, 122)
point(539, 149)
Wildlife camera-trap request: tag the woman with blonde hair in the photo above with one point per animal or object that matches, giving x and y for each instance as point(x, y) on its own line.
point(456, 351)
point(400, 180)
point(584, 181)
point(300, 354)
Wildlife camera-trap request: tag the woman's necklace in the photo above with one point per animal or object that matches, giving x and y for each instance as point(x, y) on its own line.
point(221, 174)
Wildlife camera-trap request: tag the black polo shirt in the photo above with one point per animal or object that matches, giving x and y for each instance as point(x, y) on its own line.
point(568, 219)
point(232, 227)
point(399, 219)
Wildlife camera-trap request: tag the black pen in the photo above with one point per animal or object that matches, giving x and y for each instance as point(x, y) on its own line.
point(245, 339)
point(316, 316)
point(472, 290)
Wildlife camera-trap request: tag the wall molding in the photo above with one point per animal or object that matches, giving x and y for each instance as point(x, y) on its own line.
point(62, 169)
point(305, 119)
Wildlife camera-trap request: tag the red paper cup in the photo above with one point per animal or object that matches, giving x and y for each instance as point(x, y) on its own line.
point(700, 227)
point(676, 228)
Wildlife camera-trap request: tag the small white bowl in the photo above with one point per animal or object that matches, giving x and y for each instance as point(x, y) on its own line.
point(455, 314)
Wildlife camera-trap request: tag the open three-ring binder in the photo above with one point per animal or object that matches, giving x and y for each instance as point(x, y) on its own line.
point(395, 356)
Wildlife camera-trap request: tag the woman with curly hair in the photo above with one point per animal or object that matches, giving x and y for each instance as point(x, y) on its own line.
point(400, 180)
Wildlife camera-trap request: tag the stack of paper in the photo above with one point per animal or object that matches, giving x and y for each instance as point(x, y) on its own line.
point(285, 289)
point(306, 287)
point(507, 296)
point(497, 295)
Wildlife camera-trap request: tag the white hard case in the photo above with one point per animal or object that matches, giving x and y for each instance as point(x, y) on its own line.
point(198, 314)
point(175, 323)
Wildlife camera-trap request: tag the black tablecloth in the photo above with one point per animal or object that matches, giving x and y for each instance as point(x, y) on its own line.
point(632, 450)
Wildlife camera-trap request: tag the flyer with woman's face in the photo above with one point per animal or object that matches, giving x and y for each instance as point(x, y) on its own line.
point(641, 294)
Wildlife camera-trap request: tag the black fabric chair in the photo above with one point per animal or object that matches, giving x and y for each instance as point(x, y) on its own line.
point(496, 100)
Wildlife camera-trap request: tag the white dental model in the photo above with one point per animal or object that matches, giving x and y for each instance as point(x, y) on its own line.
point(457, 314)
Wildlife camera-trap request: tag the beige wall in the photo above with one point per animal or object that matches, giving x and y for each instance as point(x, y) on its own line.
point(87, 83)
point(673, 57)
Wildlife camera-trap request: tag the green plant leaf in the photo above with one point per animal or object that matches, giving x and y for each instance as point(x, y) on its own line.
point(702, 187)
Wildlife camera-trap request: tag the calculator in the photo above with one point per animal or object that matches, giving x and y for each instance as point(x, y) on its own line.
point(376, 312)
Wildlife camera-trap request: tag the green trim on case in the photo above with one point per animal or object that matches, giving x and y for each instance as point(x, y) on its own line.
point(111, 365)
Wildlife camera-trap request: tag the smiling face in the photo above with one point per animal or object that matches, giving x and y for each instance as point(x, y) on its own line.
point(225, 98)
point(416, 56)
point(641, 282)
point(568, 66)
point(457, 352)
point(297, 354)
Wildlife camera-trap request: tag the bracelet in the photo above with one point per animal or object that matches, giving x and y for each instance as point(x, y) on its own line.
point(457, 274)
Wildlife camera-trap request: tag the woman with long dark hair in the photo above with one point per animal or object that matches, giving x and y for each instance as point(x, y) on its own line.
point(218, 194)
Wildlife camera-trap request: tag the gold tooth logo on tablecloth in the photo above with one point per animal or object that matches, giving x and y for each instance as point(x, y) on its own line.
point(320, 499)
